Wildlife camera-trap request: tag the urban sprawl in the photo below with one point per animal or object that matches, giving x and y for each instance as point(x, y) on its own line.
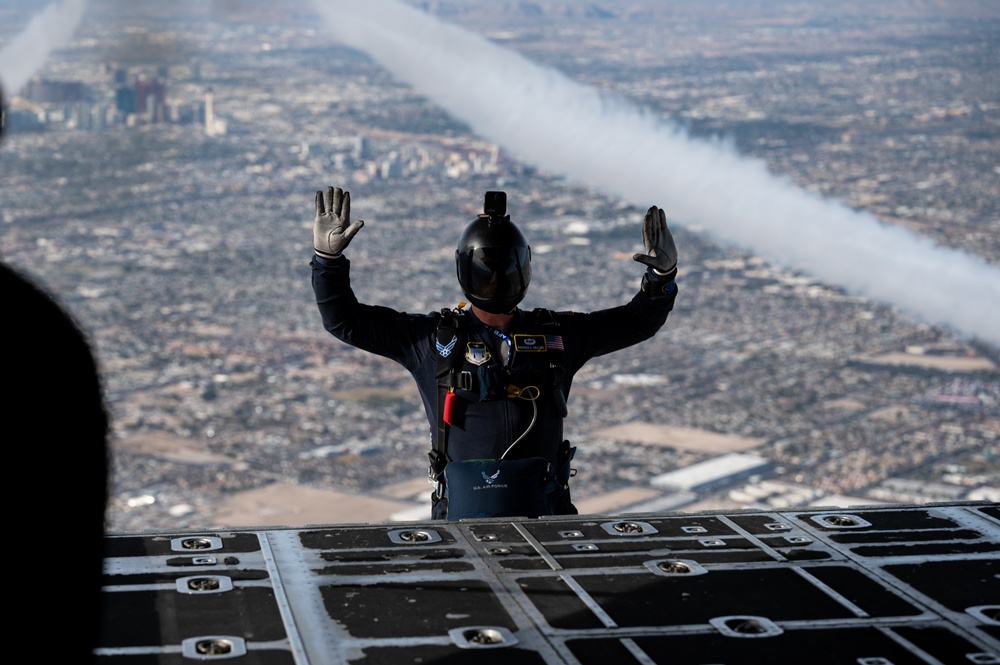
point(159, 174)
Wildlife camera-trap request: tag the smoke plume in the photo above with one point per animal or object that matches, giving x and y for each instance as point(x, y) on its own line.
point(547, 119)
point(26, 53)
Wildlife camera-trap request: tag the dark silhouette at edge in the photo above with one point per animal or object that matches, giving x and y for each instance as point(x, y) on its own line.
point(57, 432)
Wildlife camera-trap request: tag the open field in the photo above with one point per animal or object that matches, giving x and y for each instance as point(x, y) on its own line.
point(681, 438)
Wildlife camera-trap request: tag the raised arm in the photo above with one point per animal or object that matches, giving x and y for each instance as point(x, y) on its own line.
point(605, 331)
point(402, 337)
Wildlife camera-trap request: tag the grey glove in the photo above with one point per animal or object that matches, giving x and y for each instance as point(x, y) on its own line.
point(661, 253)
point(332, 230)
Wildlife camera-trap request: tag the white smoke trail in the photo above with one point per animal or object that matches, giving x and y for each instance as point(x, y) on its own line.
point(564, 127)
point(26, 53)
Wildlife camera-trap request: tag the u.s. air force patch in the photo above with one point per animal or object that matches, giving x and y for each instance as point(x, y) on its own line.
point(446, 349)
point(477, 353)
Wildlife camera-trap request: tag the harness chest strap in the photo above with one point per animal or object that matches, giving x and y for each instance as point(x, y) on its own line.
point(451, 340)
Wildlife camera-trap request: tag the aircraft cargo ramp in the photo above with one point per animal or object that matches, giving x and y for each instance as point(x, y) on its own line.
point(871, 586)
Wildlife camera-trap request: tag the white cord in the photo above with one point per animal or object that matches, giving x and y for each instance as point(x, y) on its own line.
point(534, 417)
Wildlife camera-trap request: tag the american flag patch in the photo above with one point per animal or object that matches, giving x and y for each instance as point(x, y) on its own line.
point(554, 342)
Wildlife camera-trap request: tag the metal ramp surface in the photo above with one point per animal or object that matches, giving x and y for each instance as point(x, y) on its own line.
point(869, 586)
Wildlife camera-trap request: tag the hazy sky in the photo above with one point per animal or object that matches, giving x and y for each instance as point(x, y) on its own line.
point(546, 119)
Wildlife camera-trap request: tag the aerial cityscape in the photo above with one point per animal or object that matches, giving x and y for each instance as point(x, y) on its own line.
point(158, 176)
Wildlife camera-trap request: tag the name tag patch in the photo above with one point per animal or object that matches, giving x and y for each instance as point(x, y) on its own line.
point(529, 343)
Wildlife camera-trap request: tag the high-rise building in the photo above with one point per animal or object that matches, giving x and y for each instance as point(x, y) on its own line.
point(361, 150)
point(125, 100)
point(209, 114)
point(149, 95)
point(59, 92)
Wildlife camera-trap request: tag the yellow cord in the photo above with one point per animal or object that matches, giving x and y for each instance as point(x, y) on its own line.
point(529, 393)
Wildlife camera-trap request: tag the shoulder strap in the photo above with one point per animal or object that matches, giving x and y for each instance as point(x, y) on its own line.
point(543, 317)
point(450, 341)
point(548, 325)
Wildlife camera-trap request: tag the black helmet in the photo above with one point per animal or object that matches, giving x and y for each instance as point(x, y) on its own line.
point(493, 260)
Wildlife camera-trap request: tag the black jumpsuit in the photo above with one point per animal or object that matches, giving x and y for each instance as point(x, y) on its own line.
point(486, 428)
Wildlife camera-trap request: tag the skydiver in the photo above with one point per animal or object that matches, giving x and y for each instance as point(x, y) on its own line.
point(493, 379)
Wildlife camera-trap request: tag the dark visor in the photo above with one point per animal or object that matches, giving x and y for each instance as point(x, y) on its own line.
point(498, 272)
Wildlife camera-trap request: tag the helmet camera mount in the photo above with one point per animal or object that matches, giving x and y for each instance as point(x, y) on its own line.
point(495, 207)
